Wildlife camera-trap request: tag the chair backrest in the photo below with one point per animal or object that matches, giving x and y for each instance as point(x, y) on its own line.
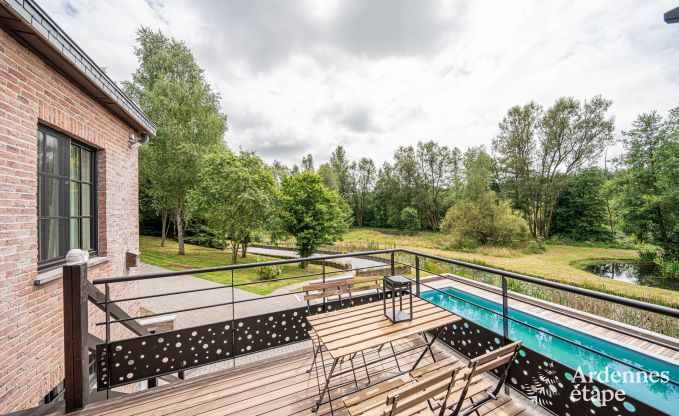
point(497, 358)
point(337, 288)
point(364, 283)
point(419, 393)
point(493, 359)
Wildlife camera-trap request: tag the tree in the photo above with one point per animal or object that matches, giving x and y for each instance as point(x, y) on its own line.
point(437, 166)
point(235, 195)
point(308, 163)
point(410, 219)
point(280, 171)
point(650, 183)
point(537, 151)
point(170, 88)
point(312, 213)
point(487, 220)
point(387, 200)
point(362, 176)
point(478, 172)
point(478, 216)
point(340, 165)
point(327, 173)
point(582, 212)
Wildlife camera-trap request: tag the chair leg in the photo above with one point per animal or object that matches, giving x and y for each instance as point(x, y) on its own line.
point(395, 358)
point(365, 366)
point(316, 348)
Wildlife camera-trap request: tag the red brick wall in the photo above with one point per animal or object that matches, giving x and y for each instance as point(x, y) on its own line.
point(32, 92)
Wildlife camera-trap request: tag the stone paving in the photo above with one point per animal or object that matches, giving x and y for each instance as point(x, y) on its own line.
point(217, 294)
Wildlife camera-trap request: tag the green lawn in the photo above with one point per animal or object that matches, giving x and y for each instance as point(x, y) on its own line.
point(197, 257)
point(559, 262)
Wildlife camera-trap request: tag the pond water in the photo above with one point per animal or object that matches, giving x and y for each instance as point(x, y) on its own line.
point(633, 272)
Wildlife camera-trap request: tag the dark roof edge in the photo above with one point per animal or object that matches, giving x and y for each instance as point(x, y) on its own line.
point(672, 16)
point(48, 32)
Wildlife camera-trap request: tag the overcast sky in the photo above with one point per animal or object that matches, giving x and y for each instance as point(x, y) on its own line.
point(301, 77)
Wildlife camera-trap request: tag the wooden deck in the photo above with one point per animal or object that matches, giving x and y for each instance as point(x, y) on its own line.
point(274, 386)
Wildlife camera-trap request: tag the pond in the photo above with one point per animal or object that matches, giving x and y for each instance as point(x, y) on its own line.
point(633, 272)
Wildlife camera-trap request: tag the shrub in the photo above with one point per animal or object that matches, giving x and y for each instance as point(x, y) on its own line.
point(484, 221)
point(410, 219)
point(269, 272)
point(669, 269)
point(647, 257)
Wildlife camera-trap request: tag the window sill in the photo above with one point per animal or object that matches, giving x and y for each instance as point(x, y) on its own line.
point(54, 274)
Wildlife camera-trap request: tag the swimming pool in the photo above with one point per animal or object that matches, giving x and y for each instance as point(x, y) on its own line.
point(660, 395)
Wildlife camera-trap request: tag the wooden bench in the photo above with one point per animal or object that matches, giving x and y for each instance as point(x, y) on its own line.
point(340, 287)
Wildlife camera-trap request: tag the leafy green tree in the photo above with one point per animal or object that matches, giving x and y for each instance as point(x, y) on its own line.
point(171, 89)
point(438, 166)
point(387, 200)
point(486, 220)
point(340, 165)
point(312, 213)
point(649, 199)
point(236, 196)
point(478, 172)
point(327, 173)
point(582, 212)
point(538, 150)
point(362, 176)
point(308, 163)
point(280, 171)
point(479, 217)
point(410, 219)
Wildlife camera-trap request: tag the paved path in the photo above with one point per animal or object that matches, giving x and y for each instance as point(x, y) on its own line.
point(220, 294)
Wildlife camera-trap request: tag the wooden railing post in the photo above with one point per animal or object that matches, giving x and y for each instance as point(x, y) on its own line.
point(76, 361)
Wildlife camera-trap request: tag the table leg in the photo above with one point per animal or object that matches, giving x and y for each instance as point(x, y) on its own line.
point(428, 348)
point(424, 335)
point(327, 385)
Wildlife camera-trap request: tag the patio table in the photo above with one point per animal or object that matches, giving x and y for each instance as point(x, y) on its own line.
point(347, 332)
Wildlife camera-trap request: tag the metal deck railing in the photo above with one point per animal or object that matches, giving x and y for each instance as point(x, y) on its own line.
point(235, 334)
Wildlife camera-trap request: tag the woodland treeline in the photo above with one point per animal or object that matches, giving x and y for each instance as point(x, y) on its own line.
point(545, 176)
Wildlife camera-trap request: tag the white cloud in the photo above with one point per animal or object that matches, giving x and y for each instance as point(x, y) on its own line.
point(302, 76)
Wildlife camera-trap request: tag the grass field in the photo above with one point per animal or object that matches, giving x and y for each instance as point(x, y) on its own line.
point(198, 257)
point(558, 262)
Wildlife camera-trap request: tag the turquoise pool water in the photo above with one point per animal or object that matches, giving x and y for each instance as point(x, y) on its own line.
point(663, 396)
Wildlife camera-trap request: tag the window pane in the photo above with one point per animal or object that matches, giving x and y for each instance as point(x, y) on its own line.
point(86, 198)
point(75, 162)
point(74, 232)
point(75, 199)
point(52, 158)
point(86, 234)
point(41, 151)
point(49, 196)
point(49, 239)
point(86, 165)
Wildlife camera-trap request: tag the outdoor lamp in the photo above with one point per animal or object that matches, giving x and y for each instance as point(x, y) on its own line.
point(397, 286)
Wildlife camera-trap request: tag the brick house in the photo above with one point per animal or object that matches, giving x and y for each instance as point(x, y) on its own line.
point(68, 179)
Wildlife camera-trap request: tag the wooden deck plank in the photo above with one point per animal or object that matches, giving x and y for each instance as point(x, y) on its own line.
point(274, 386)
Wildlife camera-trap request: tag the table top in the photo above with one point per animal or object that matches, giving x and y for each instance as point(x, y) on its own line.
point(398, 279)
point(347, 331)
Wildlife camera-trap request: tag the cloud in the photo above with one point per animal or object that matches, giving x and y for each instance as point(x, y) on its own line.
point(303, 76)
point(385, 28)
